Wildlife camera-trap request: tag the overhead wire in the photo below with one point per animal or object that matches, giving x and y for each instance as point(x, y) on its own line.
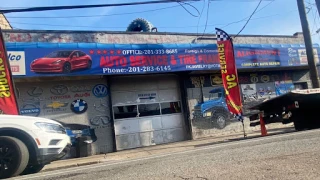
point(25, 7)
point(249, 19)
point(188, 10)
point(203, 6)
point(241, 0)
point(49, 8)
point(314, 18)
point(169, 27)
point(244, 19)
point(90, 16)
point(207, 18)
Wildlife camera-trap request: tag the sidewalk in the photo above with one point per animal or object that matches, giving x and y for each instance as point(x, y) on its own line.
point(156, 150)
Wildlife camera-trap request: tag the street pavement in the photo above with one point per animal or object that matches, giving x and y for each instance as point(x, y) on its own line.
point(287, 156)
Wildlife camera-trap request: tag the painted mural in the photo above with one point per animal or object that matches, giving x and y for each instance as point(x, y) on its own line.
point(206, 99)
point(82, 107)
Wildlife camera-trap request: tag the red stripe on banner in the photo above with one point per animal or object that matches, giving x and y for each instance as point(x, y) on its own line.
point(229, 75)
point(8, 103)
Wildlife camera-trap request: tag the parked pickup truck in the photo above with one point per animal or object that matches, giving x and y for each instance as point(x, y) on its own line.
point(214, 110)
point(27, 144)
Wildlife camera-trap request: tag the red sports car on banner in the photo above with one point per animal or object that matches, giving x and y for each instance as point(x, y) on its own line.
point(63, 61)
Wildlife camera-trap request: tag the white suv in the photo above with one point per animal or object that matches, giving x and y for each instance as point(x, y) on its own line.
point(27, 144)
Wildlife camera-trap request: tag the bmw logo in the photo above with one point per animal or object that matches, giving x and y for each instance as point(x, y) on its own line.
point(79, 106)
point(100, 90)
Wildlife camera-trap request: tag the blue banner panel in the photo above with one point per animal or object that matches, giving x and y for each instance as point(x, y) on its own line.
point(56, 59)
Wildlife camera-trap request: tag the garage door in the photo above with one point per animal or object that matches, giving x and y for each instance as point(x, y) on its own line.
point(146, 110)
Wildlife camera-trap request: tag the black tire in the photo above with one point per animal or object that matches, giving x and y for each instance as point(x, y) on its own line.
point(299, 126)
point(66, 68)
point(220, 120)
point(32, 169)
point(89, 64)
point(14, 157)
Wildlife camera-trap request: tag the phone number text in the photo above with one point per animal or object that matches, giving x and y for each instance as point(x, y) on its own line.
point(137, 69)
point(150, 51)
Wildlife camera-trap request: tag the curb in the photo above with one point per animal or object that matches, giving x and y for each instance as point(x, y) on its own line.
point(71, 166)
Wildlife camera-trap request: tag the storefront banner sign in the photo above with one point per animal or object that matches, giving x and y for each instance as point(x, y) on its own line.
point(17, 62)
point(249, 57)
point(55, 59)
point(8, 103)
point(229, 73)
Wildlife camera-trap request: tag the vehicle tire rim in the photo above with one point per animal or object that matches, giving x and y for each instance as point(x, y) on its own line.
point(221, 121)
point(7, 158)
point(67, 68)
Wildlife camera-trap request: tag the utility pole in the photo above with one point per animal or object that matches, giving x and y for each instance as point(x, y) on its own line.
point(318, 6)
point(308, 43)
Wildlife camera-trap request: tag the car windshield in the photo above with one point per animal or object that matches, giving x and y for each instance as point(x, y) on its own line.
point(214, 96)
point(59, 54)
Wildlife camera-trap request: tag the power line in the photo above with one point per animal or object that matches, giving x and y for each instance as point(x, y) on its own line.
point(244, 19)
point(249, 18)
point(25, 7)
point(241, 0)
point(90, 16)
point(188, 10)
point(49, 8)
point(204, 3)
point(314, 14)
point(209, 25)
point(207, 18)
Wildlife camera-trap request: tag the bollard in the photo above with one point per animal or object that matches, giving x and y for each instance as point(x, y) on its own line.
point(263, 126)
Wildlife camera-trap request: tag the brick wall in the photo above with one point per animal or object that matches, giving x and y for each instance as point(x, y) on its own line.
point(127, 38)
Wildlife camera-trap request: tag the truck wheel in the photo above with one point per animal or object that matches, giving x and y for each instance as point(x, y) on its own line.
point(14, 156)
point(298, 125)
point(32, 169)
point(220, 120)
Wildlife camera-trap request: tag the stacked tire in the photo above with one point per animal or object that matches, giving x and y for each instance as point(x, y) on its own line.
point(140, 25)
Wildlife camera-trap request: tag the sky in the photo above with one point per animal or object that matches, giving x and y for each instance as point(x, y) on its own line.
point(274, 17)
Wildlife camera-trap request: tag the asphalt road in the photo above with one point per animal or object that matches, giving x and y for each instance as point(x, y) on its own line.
point(288, 156)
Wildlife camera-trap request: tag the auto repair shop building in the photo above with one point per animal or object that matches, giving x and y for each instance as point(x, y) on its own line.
point(142, 89)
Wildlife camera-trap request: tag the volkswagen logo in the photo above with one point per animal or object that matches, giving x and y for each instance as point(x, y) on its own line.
point(81, 88)
point(100, 90)
point(59, 89)
point(35, 91)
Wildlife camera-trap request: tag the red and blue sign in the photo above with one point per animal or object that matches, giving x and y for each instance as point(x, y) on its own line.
point(55, 59)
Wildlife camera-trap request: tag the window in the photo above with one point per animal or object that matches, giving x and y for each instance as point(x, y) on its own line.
point(149, 109)
point(81, 53)
point(59, 54)
point(143, 110)
point(121, 112)
point(75, 54)
point(214, 96)
point(170, 107)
